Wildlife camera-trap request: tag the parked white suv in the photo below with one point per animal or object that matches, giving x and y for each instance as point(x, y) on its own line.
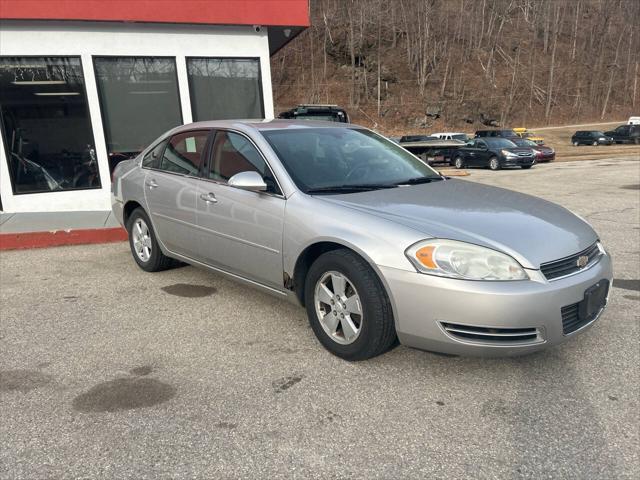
point(634, 121)
point(451, 136)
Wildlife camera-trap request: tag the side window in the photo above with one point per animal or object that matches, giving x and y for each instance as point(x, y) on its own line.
point(481, 145)
point(152, 159)
point(184, 153)
point(233, 153)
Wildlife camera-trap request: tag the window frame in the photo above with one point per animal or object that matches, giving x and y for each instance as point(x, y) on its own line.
point(101, 98)
point(93, 134)
point(167, 139)
point(190, 85)
point(209, 160)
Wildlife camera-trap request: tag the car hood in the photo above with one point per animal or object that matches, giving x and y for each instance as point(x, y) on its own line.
point(530, 229)
point(527, 150)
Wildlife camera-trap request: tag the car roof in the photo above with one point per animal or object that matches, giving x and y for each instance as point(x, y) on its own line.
point(262, 125)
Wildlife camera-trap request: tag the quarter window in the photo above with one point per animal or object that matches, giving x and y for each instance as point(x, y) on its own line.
point(184, 153)
point(152, 159)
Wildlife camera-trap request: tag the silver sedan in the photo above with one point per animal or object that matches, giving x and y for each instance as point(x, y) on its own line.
point(376, 245)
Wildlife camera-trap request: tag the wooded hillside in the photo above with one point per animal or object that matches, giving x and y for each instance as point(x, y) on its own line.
point(400, 65)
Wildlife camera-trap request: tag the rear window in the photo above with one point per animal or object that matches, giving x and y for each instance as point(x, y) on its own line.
point(500, 143)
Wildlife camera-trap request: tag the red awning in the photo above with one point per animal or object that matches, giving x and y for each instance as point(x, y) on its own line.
point(290, 13)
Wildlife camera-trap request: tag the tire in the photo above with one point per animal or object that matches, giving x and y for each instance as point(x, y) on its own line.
point(576, 144)
point(636, 141)
point(458, 163)
point(595, 144)
point(526, 167)
point(151, 260)
point(376, 329)
point(494, 163)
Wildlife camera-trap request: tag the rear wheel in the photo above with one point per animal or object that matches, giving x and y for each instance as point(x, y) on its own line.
point(144, 245)
point(494, 163)
point(347, 306)
point(458, 163)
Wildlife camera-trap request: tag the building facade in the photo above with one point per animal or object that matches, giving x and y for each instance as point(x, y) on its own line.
point(85, 84)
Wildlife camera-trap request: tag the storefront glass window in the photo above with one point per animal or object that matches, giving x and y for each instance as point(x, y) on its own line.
point(45, 125)
point(224, 88)
point(139, 101)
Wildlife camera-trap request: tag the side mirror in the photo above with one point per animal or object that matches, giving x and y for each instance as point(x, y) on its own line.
point(252, 181)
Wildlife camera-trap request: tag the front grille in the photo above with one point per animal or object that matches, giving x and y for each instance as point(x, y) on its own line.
point(492, 335)
point(568, 265)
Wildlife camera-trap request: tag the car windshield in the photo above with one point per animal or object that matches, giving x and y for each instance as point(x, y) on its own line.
point(598, 134)
point(523, 142)
point(345, 160)
point(499, 143)
point(460, 136)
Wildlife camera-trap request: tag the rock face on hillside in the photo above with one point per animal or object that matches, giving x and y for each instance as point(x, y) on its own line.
point(465, 63)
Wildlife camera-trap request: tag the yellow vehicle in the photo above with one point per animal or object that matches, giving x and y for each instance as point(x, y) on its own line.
point(524, 133)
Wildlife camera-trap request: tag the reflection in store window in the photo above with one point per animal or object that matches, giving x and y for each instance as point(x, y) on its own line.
point(225, 88)
point(139, 101)
point(46, 127)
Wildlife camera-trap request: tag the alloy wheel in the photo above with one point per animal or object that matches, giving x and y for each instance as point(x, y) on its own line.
point(141, 240)
point(338, 307)
point(494, 164)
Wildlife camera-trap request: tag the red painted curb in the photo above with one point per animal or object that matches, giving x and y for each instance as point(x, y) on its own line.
point(56, 238)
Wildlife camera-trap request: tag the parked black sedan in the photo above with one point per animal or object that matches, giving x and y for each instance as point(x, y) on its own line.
point(494, 153)
point(590, 137)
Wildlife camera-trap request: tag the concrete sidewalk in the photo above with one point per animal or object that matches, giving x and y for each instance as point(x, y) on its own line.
point(48, 229)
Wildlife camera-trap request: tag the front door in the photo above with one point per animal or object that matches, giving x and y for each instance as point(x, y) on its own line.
point(171, 192)
point(240, 231)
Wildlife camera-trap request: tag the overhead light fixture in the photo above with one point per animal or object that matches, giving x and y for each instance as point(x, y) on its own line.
point(39, 82)
point(133, 82)
point(56, 94)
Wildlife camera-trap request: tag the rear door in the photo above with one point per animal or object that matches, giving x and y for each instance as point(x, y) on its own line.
point(240, 231)
point(171, 191)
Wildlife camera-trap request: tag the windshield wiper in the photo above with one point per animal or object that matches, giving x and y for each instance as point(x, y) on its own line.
point(364, 187)
point(418, 180)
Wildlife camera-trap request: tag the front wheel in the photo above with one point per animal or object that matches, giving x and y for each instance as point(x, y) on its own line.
point(144, 245)
point(575, 144)
point(347, 306)
point(458, 163)
point(595, 144)
point(494, 163)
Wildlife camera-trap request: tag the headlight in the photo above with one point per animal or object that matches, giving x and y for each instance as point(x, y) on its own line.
point(507, 153)
point(453, 259)
point(602, 139)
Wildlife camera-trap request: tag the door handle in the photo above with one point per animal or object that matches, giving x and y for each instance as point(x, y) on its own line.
point(151, 184)
point(209, 198)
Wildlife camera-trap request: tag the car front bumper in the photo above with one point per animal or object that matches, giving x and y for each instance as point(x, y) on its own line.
point(425, 304)
point(517, 161)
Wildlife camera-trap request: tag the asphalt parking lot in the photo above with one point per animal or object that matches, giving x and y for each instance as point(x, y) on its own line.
point(108, 371)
